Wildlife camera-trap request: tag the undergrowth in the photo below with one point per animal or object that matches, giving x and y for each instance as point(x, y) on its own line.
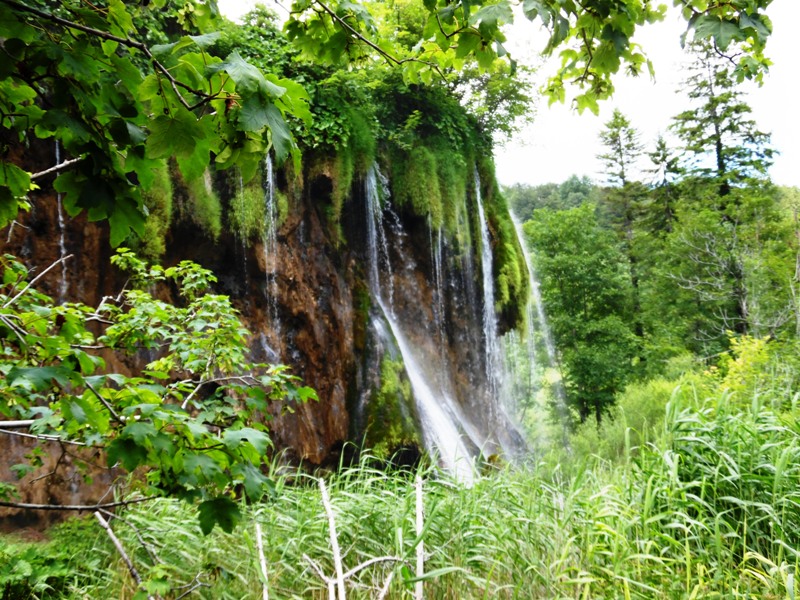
point(707, 507)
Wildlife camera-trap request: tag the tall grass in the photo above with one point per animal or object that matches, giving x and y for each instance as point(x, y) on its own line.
point(710, 509)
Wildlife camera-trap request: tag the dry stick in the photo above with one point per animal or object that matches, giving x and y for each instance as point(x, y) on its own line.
point(35, 279)
point(59, 167)
point(328, 581)
point(46, 438)
point(337, 556)
point(263, 562)
point(420, 544)
point(78, 507)
point(118, 545)
point(15, 424)
point(386, 585)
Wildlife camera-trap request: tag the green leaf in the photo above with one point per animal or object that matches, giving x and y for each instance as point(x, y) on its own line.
point(233, 438)
point(280, 135)
point(139, 431)
point(723, 31)
point(120, 22)
point(490, 14)
point(126, 452)
point(125, 218)
point(220, 511)
point(15, 179)
point(40, 377)
point(206, 465)
point(468, 41)
point(248, 79)
point(535, 8)
point(174, 135)
point(756, 23)
point(253, 115)
point(254, 481)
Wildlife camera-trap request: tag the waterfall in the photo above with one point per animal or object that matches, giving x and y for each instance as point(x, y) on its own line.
point(439, 418)
point(438, 280)
point(376, 188)
point(489, 318)
point(271, 245)
point(536, 316)
point(62, 246)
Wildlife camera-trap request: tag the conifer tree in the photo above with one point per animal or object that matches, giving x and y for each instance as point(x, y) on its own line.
point(719, 134)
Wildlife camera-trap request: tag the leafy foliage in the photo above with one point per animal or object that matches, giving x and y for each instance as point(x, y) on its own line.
point(594, 38)
point(195, 415)
point(586, 292)
point(116, 104)
point(705, 503)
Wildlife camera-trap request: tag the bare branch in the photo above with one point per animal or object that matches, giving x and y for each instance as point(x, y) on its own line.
point(118, 545)
point(337, 555)
point(46, 438)
point(59, 167)
point(105, 403)
point(38, 277)
point(76, 507)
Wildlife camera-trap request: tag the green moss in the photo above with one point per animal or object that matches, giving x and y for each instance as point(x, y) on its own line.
point(204, 207)
point(452, 173)
point(158, 200)
point(342, 179)
point(247, 210)
point(389, 422)
point(353, 158)
point(361, 141)
point(415, 183)
point(509, 259)
point(282, 205)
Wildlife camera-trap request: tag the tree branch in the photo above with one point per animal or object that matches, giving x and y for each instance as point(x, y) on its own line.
point(55, 169)
point(120, 40)
point(356, 34)
point(118, 545)
point(45, 438)
point(76, 507)
point(38, 277)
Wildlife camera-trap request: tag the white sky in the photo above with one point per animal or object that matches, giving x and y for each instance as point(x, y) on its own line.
point(561, 143)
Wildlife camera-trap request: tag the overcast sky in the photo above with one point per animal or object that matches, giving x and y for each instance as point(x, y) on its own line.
point(561, 143)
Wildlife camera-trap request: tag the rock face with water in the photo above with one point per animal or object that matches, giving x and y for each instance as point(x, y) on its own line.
point(383, 297)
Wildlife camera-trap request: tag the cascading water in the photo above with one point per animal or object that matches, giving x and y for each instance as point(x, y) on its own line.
point(62, 247)
point(440, 420)
point(492, 353)
point(537, 317)
point(535, 305)
point(271, 245)
point(438, 277)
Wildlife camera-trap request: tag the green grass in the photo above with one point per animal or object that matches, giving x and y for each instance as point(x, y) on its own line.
point(710, 510)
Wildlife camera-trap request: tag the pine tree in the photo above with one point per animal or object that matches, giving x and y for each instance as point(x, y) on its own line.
point(724, 141)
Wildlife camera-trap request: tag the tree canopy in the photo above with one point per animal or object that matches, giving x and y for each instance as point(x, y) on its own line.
point(99, 79)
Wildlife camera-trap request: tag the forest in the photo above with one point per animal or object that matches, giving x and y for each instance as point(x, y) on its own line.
point(271, 327)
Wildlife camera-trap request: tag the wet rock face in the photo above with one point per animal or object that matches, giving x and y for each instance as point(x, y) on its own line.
point(312, 329)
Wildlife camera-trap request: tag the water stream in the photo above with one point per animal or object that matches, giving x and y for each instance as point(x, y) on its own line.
point(271, 246)
point(62, 247)
point(437, 413)
point(492, 354)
